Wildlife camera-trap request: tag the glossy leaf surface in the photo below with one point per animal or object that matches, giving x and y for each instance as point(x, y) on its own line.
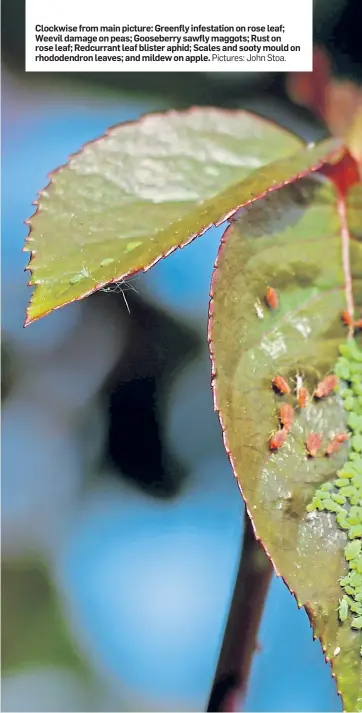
point(145, 188)
point(289, 240)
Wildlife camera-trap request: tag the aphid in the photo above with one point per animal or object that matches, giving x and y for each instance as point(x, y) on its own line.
point(107, 261)
point(356, 608)
point(132, 245)
point(355, 531)
point(271, 298)
point(335, 442)
point(326, 386)
point(342, 520)
point(357, 623)
point(281, 385)
point(301, 392)
point(82, 275)
point(340, 499)
point(329, 504)
point(76, 278)
point(357, 442)
point(278, 439)
point(347, 318)
point(286, 415)
point(343, 609)
point(355, 580)
point(302, 397)
point(313, 444)
point(352, 550)
point(337, 651)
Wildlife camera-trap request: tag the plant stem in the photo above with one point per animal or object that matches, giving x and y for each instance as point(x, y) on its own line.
point(240, 639)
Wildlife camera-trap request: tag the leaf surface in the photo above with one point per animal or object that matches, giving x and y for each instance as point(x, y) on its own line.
point(134, 195)
point(289, 240)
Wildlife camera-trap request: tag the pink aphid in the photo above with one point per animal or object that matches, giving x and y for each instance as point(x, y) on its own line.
point(313, 444)
point(278, 439)
point(326, 386)
point(281, 385)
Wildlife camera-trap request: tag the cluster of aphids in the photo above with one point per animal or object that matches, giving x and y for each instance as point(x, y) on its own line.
point(342, 495)
point(314, 441)
point(324, 388)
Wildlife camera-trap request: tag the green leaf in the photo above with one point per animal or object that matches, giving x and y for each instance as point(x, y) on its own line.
point(131, 197)
point(289, 240)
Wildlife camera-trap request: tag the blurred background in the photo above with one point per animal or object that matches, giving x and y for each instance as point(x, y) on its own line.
point(121, 519)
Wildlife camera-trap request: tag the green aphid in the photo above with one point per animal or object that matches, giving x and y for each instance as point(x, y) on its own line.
point(340, 499)
point(107, 261)
point(355, 515)
point(331, 506)
point(315, 504)
point(356, 622)
point(347, 393)
point(355, 580)
point(349, 590)
point(356, 564)
point(358, 597)
point(356, 462)
point(350, 403)
point(348, 491)
point(342, 520)
point(356, 608)
point(325, 487)
point(340, 482)
point(357, 481)
point(343, 369)
point(354, 422)
point(77, 278)
point(356, 498)
point(357, 442)
point(352, 550)
point(343, 609)
point(353, 456)
point(323, 494)
point(348, 471)
point(356, 382)
point(354, 532)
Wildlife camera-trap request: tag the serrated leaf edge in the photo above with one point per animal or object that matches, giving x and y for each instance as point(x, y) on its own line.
point(338, 150)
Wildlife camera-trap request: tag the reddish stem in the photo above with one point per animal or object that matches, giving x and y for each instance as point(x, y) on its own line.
point(240, 639)
point(346, 258)
point(344, 175)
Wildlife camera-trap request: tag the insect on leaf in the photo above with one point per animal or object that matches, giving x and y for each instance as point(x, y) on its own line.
point(291, 240)
point(147, 187)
